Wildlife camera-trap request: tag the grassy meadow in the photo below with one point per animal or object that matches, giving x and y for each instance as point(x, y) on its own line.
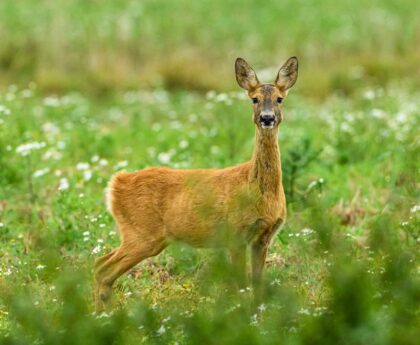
point(89, 88)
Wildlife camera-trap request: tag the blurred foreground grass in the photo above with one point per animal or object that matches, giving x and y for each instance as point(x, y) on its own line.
point(344, 270)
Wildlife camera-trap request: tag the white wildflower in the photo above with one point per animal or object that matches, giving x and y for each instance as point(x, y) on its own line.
point(262, 307)
point(27, 93)
point(211, 94)
point(82, 166)
point(103, 315)
point(51, 101)
point(276, 282)
point(25, 149)
point(401, 117)
point(183, 144)
point(94, 158)
point(86, 233)
point(103, 162)
point(61, 145)
point(221, 97)
point(40, 267)
point(415, 208)
point(41, 172)
point(161, 330)
point(378, 113)
point(304, 312)
point(53, 154)
point(64, 184)
point(96, 250)
point(345, 127)
point(369, 94)
point(254, 320)
point(307, 231)
point(164, 157)
point(50, 128)
point(4, 110)
point(87, 175)
point(120, 165)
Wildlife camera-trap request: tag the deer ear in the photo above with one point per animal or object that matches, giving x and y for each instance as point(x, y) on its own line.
point(245, 75)
point(287, 75)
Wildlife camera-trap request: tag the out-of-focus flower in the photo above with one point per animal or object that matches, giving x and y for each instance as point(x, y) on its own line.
point(164, 157)
point(64, 184)
point(26, 149)
point(41, 172)
point(161, 330)
point(415, 208)
point(307, 231)
point(82, 166)
point(87, 175)
point(96, 250)
point(103, 162)
point(51, 102)
point(121, 165)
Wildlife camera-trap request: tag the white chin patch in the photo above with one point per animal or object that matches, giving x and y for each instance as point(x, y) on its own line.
point(267, 127)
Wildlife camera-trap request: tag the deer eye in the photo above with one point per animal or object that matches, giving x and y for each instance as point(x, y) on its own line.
point(279, 99)
point(255, 100)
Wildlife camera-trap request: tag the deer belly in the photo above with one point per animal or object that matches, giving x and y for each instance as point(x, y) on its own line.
point(196, 223)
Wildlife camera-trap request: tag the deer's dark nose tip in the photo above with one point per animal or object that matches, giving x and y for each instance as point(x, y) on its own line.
point(267, 119)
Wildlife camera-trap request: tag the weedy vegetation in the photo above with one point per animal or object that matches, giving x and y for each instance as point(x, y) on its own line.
point(75, 109)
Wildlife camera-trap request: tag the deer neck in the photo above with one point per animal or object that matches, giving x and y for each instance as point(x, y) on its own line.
point(266, 163)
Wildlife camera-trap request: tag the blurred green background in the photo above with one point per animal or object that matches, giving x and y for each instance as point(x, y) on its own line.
point(88, 88)
point(109, 45)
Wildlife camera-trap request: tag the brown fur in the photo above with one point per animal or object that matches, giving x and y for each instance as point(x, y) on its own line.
point(232, 207)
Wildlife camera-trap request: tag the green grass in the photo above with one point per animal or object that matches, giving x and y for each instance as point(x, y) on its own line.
point(350, 279)
point(89, 88)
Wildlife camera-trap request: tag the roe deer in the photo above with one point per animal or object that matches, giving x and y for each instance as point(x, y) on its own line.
point(233, 207)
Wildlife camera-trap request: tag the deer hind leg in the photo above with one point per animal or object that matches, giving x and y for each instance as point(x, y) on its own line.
point(112, 265)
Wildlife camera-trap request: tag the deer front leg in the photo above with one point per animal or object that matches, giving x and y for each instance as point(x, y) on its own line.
point(238, 256)
point(259, 254)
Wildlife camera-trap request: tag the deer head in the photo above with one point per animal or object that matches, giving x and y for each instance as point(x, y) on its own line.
point(267, 99)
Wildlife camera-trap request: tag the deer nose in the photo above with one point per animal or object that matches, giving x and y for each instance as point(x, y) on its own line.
point(267, 119)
